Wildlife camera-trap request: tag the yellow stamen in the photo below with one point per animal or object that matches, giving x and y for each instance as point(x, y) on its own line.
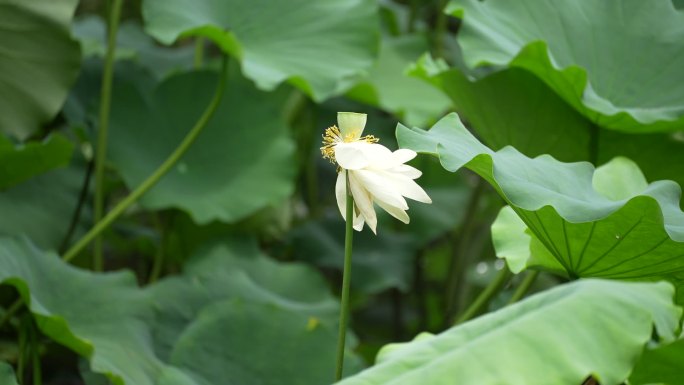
point(333, 137)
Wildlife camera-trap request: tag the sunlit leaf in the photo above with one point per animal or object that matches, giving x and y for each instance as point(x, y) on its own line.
point(592, 228)
point(563, 335)
point(318, 46)
point(621, 72)
point(39, 62)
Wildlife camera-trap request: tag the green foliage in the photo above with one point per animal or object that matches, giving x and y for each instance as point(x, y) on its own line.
point(317, 46)
point(591, 225)
point(21, 162)
point(39, 62)
point(225, 265)
point(537, 338)
point(587, 55)
point(241, 163)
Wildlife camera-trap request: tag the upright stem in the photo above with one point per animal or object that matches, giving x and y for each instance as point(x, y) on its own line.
point(35, 355)
point(105, 104)
point(157, 174)
point(483, 299)
point(440, 29)
point(524, 286)
point(346, 283)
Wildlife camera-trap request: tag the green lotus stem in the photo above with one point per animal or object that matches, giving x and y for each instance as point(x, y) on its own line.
point(105, 105)
point(35, 355)
point(483, 299)
point(148, 183)
point(346, 283)
point(524, 286)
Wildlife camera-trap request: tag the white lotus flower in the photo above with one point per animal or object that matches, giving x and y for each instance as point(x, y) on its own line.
point(376, 174)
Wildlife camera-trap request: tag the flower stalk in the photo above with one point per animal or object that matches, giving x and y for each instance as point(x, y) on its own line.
point(346, 284)
point(148, 183)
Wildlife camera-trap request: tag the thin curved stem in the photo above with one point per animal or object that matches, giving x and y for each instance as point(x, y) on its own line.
point(524, 286)
point(79, 208)
point(346, 283)
point(35, 355)
point(483, 299)
point(103, 127)
point(148, 183)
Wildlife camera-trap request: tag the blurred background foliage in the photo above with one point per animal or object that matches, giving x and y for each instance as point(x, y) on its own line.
point(242, 239)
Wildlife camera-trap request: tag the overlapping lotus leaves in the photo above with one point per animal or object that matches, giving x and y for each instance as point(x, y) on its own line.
point(108, 325)
point(244, 148)
point(662, 364)
point(514, 107)
point(39, 62)
point(590, 225)
point(587, 327)
point(317, 46)
point(388, 86)
point(617, 62)
point(130, 335)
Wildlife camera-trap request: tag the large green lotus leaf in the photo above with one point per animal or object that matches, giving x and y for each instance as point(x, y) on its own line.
point(242, 162)
point(236, 269)
point(42, 207)
point(39, 62)
point(7, 375)
point(589, 230)
point(318, 46)
point(513, 107)
point(261, 344)
point(100, 316)
point(132, 44)
point(387, 85)
point(660, 365)
point(617, 62)
point(563, 335)
point(21, 162)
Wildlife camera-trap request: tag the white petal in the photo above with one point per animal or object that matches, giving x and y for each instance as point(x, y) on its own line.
point(358, 155)
point(405, 186)
point(380, 188)
point(341, 193)
point(358, 222)
point(363, 201)
point(403, 155)
point(407, 171)
point(394, 211)
point(351, 124)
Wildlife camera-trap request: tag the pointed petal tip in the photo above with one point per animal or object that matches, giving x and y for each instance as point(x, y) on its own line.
point(351, 124)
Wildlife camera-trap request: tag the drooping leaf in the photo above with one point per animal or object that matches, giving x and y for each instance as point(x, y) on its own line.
point(621, 72)
point(21, 162)
point(317, 46)
point(513, 107)
point(662, 364)
point(261, 344)
point(242, 161)
point(42, 207)
point(563, 335)
point(387, 85)
point(39, 62)
point(638, 237)
point(99, 316)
